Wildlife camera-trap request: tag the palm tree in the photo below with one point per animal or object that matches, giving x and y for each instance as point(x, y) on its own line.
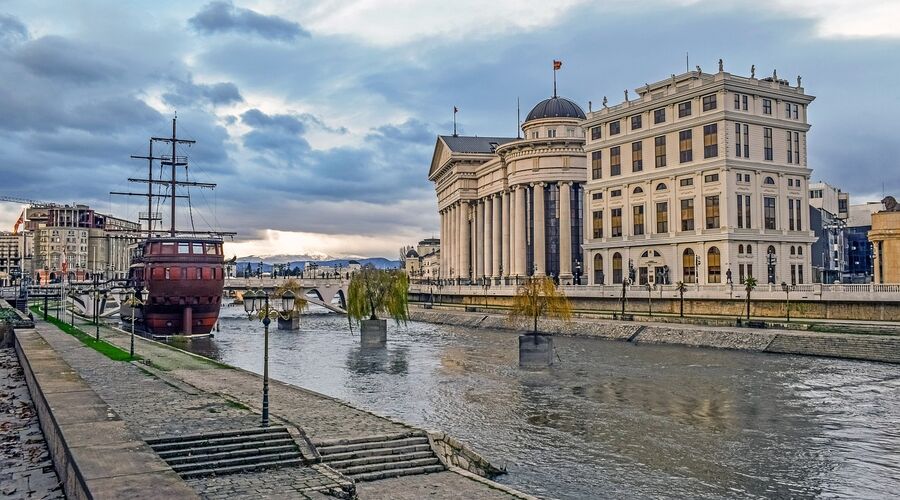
point(749, 285)
point(378, 291)
point(539, 296)
point(681, 287)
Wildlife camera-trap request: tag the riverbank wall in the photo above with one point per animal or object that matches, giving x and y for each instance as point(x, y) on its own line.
point(882, 348)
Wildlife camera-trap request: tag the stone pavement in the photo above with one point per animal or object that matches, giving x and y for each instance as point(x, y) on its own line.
point(26, 470)
point(294, 482)
point(440, 485)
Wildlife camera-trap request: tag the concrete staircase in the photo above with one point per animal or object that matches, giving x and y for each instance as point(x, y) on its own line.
point(228, 452)
point(869, 347)
point(380, 457)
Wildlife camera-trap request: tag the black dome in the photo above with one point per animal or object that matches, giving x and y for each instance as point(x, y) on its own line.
point(555, 107)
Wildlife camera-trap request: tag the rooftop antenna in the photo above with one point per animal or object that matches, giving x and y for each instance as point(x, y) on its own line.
point(687, 62)
point(518, 119)
point(455, 110)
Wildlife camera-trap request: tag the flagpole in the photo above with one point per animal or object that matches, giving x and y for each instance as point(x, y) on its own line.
point(554, 78)
point(454, 121)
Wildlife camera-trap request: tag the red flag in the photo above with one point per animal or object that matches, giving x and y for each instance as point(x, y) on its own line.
point(557, 64)
point(455, 109)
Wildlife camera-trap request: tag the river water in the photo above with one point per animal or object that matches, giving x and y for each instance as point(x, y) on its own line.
point(612, 419)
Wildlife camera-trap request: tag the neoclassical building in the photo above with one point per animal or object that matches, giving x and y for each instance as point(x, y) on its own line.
point(700, 178)
point(512, 207)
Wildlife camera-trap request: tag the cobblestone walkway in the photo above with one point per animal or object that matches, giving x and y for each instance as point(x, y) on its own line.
point(440, 485)
point(303, 482)
point(26, 470)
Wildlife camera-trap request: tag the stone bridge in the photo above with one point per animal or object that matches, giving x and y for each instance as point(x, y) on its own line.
point(324, 289)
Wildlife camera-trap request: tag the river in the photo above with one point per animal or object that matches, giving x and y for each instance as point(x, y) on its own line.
point(612, 419)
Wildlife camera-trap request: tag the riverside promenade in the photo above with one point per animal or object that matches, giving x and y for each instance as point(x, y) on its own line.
point(171, 394)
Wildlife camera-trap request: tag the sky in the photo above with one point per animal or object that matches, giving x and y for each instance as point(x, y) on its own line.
point(318, 119)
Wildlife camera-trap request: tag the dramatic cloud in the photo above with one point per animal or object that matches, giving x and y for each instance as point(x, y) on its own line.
point(11, 30)
point(223, 16)
point(187, 92)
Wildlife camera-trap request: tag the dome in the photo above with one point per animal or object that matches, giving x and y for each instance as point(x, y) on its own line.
point(555, 107)
point(412, 254)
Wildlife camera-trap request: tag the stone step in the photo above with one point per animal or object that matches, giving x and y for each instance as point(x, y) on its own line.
point(220, 434)
point(368, 445)
point(245, 445)
point(372, 452)
point(231, 462)
point(221, 471)
point(406, 464)
point(374, 476)
point(225, 455)
point(217, 440)
point(380, 459)
point(370, 439)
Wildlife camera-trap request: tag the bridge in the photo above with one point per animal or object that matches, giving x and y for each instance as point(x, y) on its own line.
point(324, 290)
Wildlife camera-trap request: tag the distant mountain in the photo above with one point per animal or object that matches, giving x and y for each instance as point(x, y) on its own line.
point(301, 261)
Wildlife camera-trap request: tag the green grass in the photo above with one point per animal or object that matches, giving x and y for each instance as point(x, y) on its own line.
point(105, 348)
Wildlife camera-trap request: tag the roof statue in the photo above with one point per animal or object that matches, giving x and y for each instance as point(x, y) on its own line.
point(698, 69)
point(721, 65)
point(604, 101)
point(775, 74)
point(626, 95)
point(798, 80)
point(890, 204)
point(752, 71)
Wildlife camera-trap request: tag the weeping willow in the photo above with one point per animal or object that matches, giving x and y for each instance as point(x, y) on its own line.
point(539, 297)
point(300, 302)
point(378, 291)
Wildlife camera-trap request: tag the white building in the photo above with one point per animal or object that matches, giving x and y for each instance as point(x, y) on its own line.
point(11, 261)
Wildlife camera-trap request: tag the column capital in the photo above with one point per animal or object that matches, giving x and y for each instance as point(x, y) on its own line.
point(565, 183)
point(538, 184)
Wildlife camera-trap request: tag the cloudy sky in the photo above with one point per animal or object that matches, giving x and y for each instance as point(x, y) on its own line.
point(318, 119)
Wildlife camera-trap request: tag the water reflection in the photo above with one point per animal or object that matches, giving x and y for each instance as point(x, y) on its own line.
point(613, 419)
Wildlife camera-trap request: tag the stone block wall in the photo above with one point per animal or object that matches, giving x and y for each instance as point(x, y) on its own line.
point(453, 452)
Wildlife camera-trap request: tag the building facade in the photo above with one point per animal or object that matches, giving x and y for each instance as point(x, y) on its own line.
point(828, 214)
point(11, 257)
point(422, 262)
point(512, 207)
point(885, 238)
point(702, 178)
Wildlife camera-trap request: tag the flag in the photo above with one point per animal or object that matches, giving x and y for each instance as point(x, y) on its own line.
point(455, 109)
point(557, 64)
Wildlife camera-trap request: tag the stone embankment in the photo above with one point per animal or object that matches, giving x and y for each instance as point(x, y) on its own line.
point(884, 348)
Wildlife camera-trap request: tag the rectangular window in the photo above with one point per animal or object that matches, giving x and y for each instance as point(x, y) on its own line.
point(596, 196)
point(184, 248)
point(637, 156)
point(684, 109)
point(747, 222)
point(636, 122)
point(551, 132)
point(767, 145)
point(711, 178)
point(800, 273)
point(737, 140)
point(740, 211)
point(744, 100)
point(685, 146)
point(790, 150)
point(709, 102)
point(737, 101)
point(796, 111)
point(660, 150)
point(746, 141)
point(741, 274)
point(769, 212)
point(615, 192)
point(614, 127)
point(712, 212)
point(598, 223)
point(659, 115)
point(687, 214)
point(790, 214)
point(799, 216)
point(616, 222)
point(711, 140)
point(596, 165)
point(662, 217)
point(687, 181)
point(595, 132)
point(797, 148)
point(767, 106)
point(615, 161)
point(638, 212)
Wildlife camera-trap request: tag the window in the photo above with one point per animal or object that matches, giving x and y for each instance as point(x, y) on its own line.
point(551, 132)
point(684, 109)
point(740, 102)
point(741, 147)
point(792, 111)
point(661, 187)
point(790, 215)
point(737, 101)
point(799, 216)
point(793, 250)
point(636, 122)
point(617, 267)
point(660, 147)
point(570, 132)
point(815, 193)
point(662, 217)
point(614, 127)
point(184, 248)
point(659, 115)
point(638, 212)
point(689, 266)
point(767, 146)
point(741, 249)
point(687, 181)
point(709, 102)
point(637, 155)
point(596, 165)
point(790, 150)
point(595, 132)
point(711, 178)
point(796, 148)
point(712, 212)
point(800, 273)
point(799, 250)
point(714, 265)
point(769, 181)
point(743, 211)
point(685, 146)
point(615, 193)
point(750, 251)
point(737, 141)
point(746, 141)
point(597, 196)
point(615, 161)
point(769, 212)
point(535, 134)
point(767, 106)
point(711, 140)
point(597, 220)
point(687, 214)
point(744, 100)
point(616, 222)
point(638, 190)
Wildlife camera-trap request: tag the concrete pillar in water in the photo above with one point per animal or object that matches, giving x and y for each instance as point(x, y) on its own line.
point(373, 332)
point(535, 351)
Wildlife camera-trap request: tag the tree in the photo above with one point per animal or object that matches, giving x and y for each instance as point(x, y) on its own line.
point(537, 297)
point(378, 291)
point(681, 287)
point(749, 285)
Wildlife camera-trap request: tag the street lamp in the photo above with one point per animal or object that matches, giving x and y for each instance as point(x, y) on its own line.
point(258, 302)
point(577, 271)
point(787, 294)
point(134, 301)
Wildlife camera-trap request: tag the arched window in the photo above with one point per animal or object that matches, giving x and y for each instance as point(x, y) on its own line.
point(689, 266)
point(617, 268)
point(771, 249)
point(637, 190)
point(769, 180)
point(749, 249)
point(661, 187)
point(793, 250)
point(740, 249)
point(799, 250)
point(714, 265)
point(598, 269)
point(646, 253)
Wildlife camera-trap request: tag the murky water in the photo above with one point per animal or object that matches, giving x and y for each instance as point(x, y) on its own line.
point(612, 419)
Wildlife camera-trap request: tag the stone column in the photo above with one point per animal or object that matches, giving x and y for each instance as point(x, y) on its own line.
point(504, 236)
point(479, 242)
point(496, 241)
point(520, 232)
point(466, 240)
point(565, 233)
point(488, 234)
point(539, 238)
point(443, 244)
point(453, 251)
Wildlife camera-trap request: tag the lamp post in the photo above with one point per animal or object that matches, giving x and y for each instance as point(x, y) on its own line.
point(134, 301)
point(577, 280)
point(258, 302)
point(787, 295)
